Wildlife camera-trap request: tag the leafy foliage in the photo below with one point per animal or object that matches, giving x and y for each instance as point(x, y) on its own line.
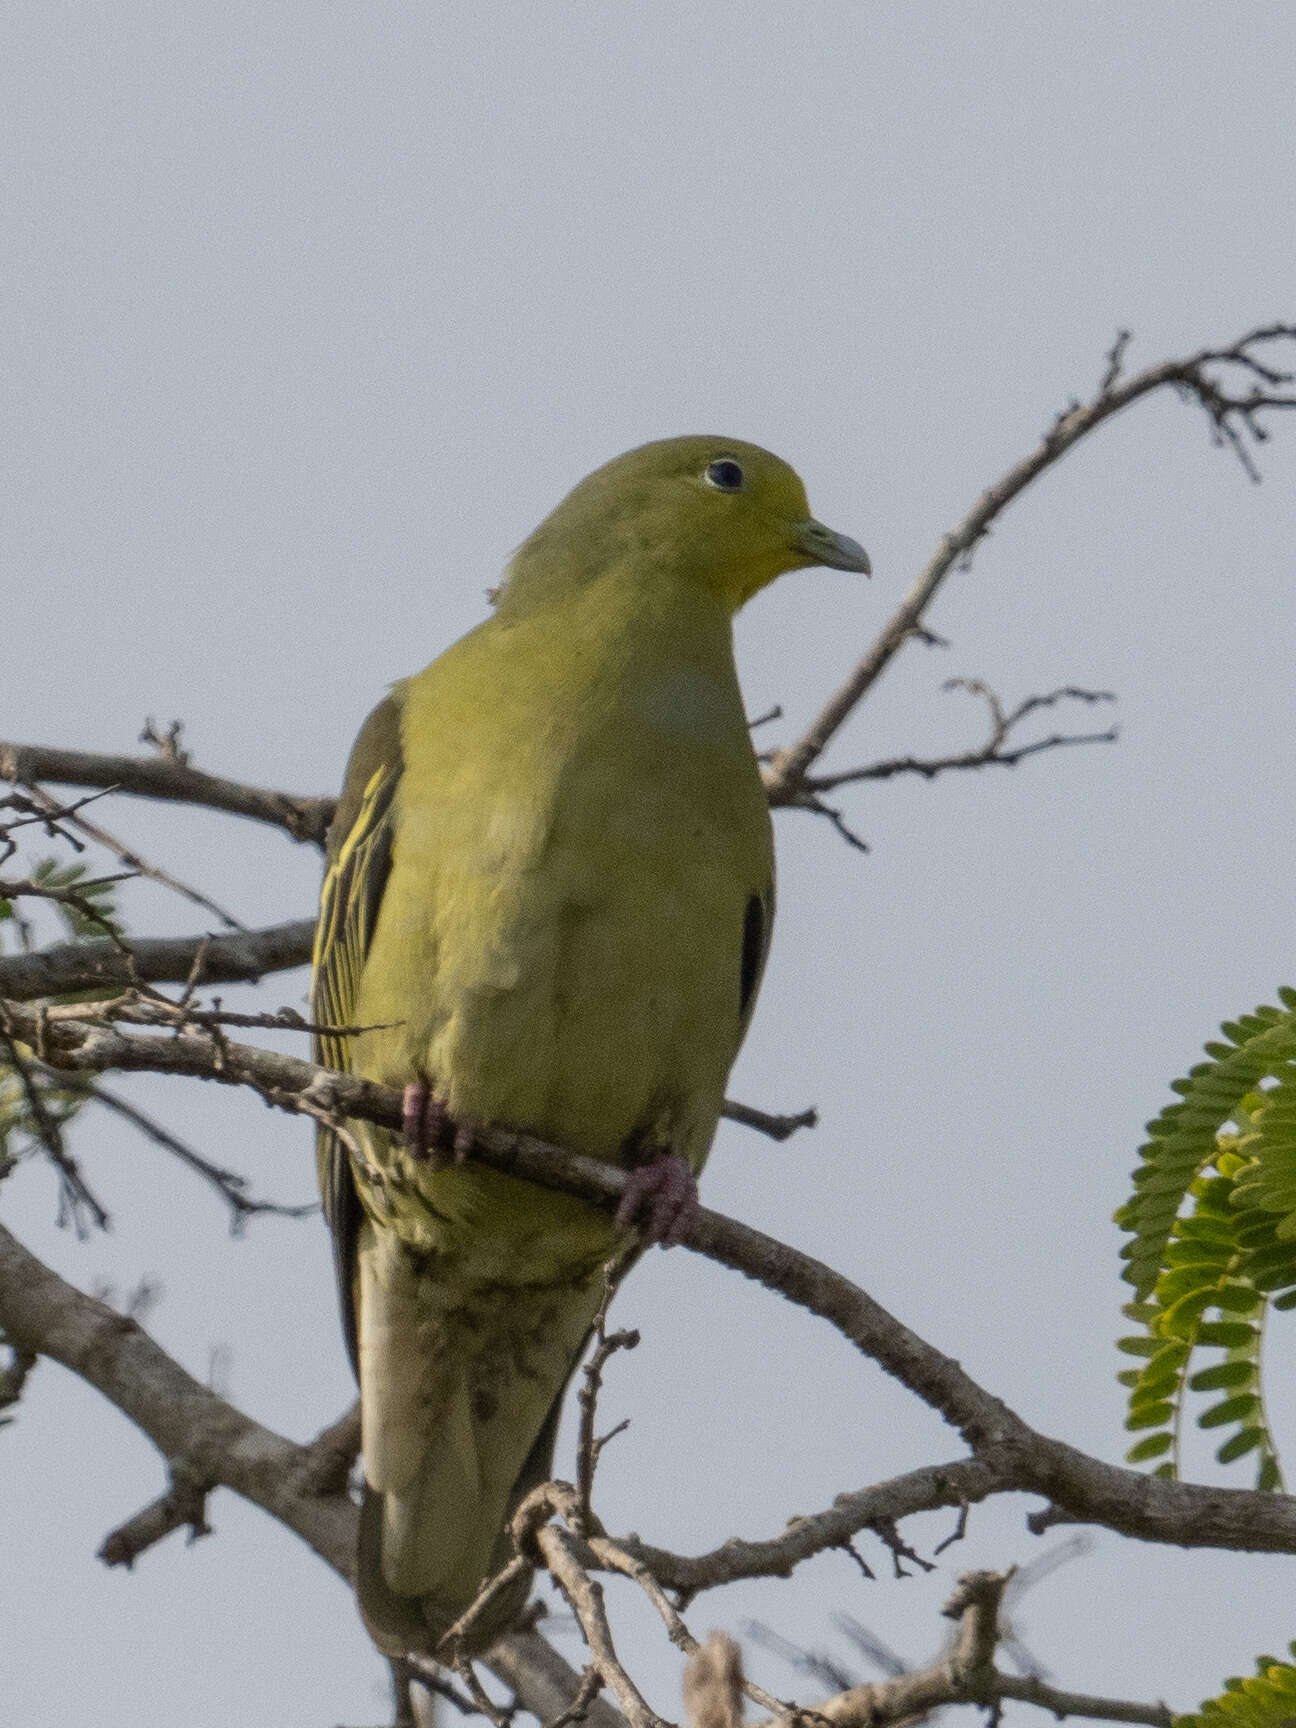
point(1265, 1699)
point(1213, 1250)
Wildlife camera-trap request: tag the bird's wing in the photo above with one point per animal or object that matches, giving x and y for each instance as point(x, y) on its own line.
point(359, 863)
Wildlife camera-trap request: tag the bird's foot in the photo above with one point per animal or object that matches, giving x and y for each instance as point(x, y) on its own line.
point(432, 1134)
point(660, 1200)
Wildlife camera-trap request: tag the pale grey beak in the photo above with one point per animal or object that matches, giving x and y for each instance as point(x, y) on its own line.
point(824, 546)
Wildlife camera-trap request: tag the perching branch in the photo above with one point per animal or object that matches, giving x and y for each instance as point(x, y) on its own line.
point(1232, 384)
point(1007, 1454)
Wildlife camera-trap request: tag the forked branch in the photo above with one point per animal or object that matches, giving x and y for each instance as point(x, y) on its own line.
point(1237, 386)
point(1007, 1454)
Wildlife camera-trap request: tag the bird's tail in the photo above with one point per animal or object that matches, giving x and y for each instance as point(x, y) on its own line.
point(461, 1384)
point(401, 1623)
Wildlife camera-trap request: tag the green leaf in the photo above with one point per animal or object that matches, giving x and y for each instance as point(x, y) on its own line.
point(1155, 1416)
point(1222, 1375)
point(1154, 1446)
point(1139, 1346)
point(1237, 1299)
point(1230, 1410)
point(1244, 1441)
point(1227, 1334)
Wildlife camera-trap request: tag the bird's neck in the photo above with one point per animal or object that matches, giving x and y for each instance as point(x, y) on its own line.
point(628, 613)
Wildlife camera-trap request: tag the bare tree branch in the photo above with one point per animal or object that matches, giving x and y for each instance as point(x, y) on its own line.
point(1234, 412)
point(79, 966)
point(551, 1521)
point(585, 1598)
point(588, 1444)
point(207, 1443)
point(168, 779)
point(1008, 1455)
point(996, 751)
point(545, 1682)
point(183, 1418)
point(75, 967)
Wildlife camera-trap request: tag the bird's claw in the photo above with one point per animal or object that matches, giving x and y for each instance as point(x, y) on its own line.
point(660, 1200)
point(432, 1135)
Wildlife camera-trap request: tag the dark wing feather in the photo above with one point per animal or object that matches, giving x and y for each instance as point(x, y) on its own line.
point(758, 924)
point(359, 863)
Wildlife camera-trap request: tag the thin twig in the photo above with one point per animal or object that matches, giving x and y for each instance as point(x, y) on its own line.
point(996, 751)
point(584, 1596)
point(888, 1534)
point(26, 887)
point(590, 1687)
point(132, 860)
point(184, 1505)
point(967, 1674)
point(31, 806)
point(434, 1680)
point(588, 1447)
point(1231, 412)
point(617, 1559)
point(817, 1665)
point(76, 1197)
point(777, 1127)
point(154, 1009)
point(229, 1184)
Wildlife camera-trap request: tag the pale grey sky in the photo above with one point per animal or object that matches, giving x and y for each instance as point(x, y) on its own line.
point(310, 313)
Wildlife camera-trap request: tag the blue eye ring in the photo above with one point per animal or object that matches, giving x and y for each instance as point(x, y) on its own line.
point(725, 475)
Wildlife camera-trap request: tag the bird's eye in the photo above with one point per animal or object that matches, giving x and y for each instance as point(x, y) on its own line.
point(725, 475)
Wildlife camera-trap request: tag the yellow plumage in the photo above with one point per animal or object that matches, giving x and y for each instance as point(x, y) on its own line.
point(551, 887)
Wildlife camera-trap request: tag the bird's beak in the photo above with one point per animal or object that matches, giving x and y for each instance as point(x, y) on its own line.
point(821, 545)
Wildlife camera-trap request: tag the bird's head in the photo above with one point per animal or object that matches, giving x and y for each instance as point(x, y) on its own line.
point(714, 511)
